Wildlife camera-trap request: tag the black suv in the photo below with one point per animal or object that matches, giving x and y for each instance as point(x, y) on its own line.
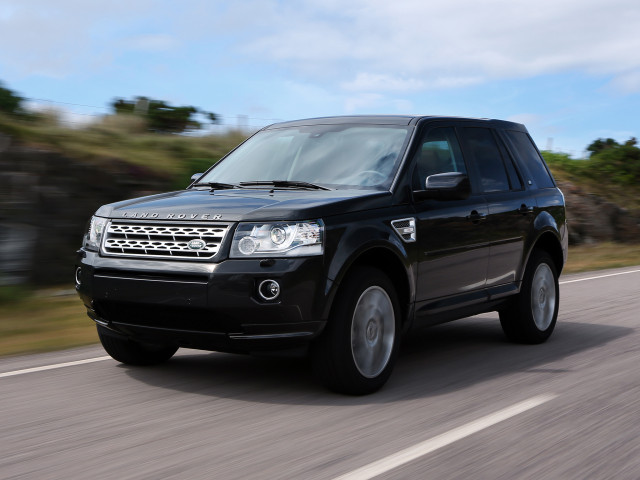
point(332, 237)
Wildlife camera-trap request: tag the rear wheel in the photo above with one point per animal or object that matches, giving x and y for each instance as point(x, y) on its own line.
point(357, 351)
point(131, 352)
point(531, 316)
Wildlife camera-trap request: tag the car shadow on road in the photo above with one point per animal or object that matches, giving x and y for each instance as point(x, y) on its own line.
point(433, 361)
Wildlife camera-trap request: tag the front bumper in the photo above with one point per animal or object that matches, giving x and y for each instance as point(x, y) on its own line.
point(204, 305)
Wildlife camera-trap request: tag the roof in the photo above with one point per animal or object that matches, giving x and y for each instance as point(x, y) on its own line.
point(386, 120)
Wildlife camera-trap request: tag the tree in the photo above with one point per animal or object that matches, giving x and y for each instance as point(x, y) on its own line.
point(600, 144)
point(163, 117)
point(10, 102)
point(618, 162)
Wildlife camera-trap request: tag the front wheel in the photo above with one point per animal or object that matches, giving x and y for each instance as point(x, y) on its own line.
point(357, 351)
point(531, 316)
point(130, 352)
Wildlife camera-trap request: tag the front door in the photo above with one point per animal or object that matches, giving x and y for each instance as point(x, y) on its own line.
point(452, 234)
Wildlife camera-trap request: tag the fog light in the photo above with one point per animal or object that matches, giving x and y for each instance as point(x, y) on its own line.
point(269, 289)
point(78, 275)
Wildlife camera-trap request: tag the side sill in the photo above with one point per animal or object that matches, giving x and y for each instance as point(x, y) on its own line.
point(270, 336)
point(503, 291)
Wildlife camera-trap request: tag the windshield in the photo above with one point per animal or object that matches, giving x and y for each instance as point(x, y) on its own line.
point(336, 156)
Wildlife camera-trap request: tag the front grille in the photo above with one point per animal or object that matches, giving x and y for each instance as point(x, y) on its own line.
point(163, 241)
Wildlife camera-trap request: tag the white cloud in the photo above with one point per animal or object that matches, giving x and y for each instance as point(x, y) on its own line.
point(402, 105)
point(361, 46)
point(376, 103)
point(65, 116)
point(345, 49)
point(364, 101)
point(153, 42)
point(382, 82)
point(526, 118)
point(627, 82)
point(6, 11)
point(62, 38)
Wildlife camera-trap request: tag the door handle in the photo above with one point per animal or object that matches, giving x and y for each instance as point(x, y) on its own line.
point(476, 217)
point(525, 209)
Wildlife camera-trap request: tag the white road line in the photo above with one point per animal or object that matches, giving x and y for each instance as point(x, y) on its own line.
point(407, 455)
point(52, 367)
point(599, 276)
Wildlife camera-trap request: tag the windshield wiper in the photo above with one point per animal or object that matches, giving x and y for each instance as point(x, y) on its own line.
point(217, 185)
point(285, 184)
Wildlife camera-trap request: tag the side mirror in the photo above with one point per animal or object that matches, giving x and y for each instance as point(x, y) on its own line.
point(195, 177)
point(445, 186)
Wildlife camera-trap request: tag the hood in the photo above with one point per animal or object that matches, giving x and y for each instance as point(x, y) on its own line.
point(245, 205)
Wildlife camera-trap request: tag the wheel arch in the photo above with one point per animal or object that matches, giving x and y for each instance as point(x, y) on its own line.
point(549, 242)
point(384, 258)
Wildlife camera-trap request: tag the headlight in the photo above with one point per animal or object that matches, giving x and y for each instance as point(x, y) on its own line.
point(291, 239)
point(93, 237)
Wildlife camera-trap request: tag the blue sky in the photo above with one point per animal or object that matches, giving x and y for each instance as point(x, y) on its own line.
point(568, 69)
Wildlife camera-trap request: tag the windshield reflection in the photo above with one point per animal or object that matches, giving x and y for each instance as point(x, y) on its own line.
point(336, 156)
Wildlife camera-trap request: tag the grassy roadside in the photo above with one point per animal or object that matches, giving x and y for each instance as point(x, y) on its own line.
point(125, 138)
point(599, 256)
point(42, 322)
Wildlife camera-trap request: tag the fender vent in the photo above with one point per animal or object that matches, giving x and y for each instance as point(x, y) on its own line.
point(406, 228)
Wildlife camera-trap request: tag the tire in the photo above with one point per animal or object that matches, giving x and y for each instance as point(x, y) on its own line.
point(531, 316)
point(130, 352)
point(357, 351)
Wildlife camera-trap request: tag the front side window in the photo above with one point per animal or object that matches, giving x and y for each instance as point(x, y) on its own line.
point(335, 156)
point(439, 152)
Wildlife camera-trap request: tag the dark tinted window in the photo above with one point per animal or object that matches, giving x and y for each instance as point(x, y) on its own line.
point(527, 152)
point(483, 146)
point(515, 179)
point(439, 152)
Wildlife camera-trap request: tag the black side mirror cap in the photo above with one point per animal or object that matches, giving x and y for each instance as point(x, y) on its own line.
point(445, 186)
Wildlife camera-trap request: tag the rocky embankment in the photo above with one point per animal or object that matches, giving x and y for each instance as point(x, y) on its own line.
point(46, 200)
point(593, 219)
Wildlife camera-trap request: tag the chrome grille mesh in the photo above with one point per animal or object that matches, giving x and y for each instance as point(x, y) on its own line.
point(163, 241)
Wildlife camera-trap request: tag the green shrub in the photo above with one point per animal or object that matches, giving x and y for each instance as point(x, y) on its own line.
point(10, 294)
point(610, 162)
point(190, 166)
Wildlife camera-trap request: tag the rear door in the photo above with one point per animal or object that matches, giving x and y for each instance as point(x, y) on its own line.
point(510, 205)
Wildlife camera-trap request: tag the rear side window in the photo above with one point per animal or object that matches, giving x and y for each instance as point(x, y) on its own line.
point(514, 178)
point(526, 150)
point(483, 146)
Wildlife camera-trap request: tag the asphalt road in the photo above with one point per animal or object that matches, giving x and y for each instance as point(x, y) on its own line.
point(462, 404)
